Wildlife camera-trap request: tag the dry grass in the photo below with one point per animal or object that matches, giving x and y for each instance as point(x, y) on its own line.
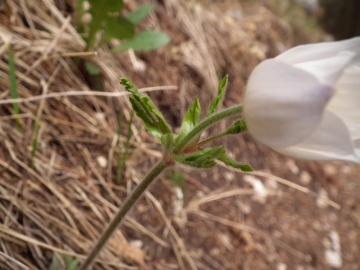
point(64, 202)
point(59, 206)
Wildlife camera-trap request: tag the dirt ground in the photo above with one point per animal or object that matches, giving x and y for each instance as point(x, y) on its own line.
point(221, 221)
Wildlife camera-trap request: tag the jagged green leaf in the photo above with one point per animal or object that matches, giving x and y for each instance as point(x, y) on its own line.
point(146, 40)
point(190, 120)
point(232, 163)
point(147, 111)
point(214, 106)
point(204, 158)
point(237, 127)
point(140, 13)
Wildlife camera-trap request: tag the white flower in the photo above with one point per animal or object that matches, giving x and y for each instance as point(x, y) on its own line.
point(305, 102)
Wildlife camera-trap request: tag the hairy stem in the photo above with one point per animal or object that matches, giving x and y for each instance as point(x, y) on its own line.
point(207, 122)
point(161, 166)
point(125, 208)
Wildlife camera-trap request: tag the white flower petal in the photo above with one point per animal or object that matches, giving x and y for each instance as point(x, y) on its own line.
point(346, 101)
point(331, 141)
point(283, 105)
point(319, 51)
point(328, 70)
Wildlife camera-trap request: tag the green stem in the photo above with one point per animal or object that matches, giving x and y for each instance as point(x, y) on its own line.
point(209, 140)
point(125, 208)
point(207, 122)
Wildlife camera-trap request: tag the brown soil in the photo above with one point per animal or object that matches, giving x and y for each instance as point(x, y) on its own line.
point(67, 200)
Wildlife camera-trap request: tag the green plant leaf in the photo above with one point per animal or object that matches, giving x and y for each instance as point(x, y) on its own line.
point(177, 178)
point(146, 40)
point(13, 85)
point(237, 127)
point(70, 262)
point(117, 27)
point(232, 163)
point(204, 158)
point(140, 13)
point(191, 119)
point(92, 69)
point(104, 18)
point(214, 106)
point(147, 111)
point(123, 155)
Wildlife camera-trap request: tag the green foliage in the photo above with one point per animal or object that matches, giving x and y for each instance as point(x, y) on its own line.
point(167, 141)
point(204, 158)
point(123, 155)
point(64, 262)
point(146, 110)
point(93, 70)
point(214, 106)
point(140, 13)
point(191, 154)
point(13, 85)
point(237, 127)
point(190, 120)
point(146, 40)
point(106, 18)
point(232, 163)
point(177, 178)
point(35, 141)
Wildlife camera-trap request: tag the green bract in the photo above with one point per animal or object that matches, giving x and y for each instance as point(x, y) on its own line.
point(191, 119)
point(185, 147)
point(237, 127)
point(214, 106)
point(232, 163)
point(147, 111)
point(204, 158)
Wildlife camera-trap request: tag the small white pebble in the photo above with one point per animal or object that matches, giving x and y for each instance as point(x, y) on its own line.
point(214, 252)
point(346, 169)
point(229, 176)
point(86, 19)
point(136, 243)
point(333, 255)
point(271, 184)
point(330, 170)
point(225, 239)
point(305, 178)
point(102, 161)
point(100, 116)
point(292, 166)
point(321, 200)
point(259, 188)
point(200, 194)
point(86, 5)
point(281, 266)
